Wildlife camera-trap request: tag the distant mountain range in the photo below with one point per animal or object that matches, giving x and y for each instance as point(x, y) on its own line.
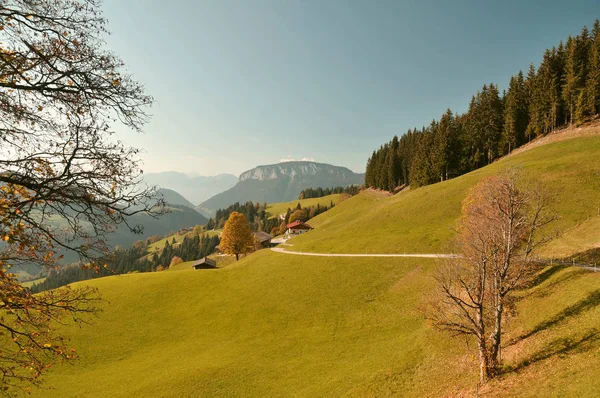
point(194, 189)
point(281, 182)
point(175, 198)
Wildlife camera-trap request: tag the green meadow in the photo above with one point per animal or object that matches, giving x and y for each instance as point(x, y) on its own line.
point(423, 220)
point(279, 325)
point(276, 209)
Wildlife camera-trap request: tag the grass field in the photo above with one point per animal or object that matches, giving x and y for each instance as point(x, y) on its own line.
point(222, 261)
point(279, 325)
point(270, 325)
point(276, 209)
point(160, 244)
point(581, 237)
point(422, 220)
point(31, 283)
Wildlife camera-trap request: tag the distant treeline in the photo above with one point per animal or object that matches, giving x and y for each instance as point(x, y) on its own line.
point(320, 192)
point(564, 89)
point(134, 259)
point(260, 220)
point(255, 213)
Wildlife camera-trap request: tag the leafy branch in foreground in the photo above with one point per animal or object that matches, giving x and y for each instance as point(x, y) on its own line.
point(60, 164)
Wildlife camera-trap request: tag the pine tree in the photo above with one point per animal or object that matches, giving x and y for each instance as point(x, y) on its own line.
point(593, 79)
point(531, 93)
point(515, 115)
point(582, 108)
point(576, 70)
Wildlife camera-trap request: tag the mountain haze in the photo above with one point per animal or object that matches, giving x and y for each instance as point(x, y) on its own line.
point(175, 198)
point(281, 182)
point(195, 189)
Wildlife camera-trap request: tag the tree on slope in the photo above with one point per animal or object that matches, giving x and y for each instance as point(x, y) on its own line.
point(236, 238)
point(593, 82)
point(497, 232)
point(60, 93)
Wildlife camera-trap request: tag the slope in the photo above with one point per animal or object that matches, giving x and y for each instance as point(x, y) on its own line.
point(196, 188)
point(172, 197)
point(280, 325)
point(422, 220)
point(275, 209)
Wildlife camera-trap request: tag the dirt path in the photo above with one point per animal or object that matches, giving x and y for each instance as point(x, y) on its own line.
point(281, 250)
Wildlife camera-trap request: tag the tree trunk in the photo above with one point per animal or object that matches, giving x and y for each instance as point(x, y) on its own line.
point(483, 361)
point(496, 338)
point(237, 257)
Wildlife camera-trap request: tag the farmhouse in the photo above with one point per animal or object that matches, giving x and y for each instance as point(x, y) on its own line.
point(263, 238)
point(204, 263)
point(298, 227)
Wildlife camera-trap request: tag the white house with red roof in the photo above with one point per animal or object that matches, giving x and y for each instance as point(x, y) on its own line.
point(297, 228)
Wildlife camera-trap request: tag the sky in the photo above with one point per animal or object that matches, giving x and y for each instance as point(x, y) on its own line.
point(244, 83)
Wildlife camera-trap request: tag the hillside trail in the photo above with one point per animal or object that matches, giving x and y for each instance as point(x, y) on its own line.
point(589, 267)
point(418, 255)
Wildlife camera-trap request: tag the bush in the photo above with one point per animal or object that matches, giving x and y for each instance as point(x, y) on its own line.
point(174, 261)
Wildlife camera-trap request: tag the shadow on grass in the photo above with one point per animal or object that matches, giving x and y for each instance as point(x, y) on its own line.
point(560, 347)
point(585, 304)
point(547, 274)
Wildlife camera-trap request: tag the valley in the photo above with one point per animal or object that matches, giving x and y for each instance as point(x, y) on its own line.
point(275, 324)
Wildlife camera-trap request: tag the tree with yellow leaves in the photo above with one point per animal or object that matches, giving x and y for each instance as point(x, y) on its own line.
point(237, 237)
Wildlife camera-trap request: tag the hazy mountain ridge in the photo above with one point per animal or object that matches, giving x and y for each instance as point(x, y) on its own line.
point(175, 198)
point(281, 182)
point(297, 169)
point(195, 189)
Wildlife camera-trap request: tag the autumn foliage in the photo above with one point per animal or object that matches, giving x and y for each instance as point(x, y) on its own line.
point(174, 261)
point(60, 94)
point(499, 228)
point(236, 238)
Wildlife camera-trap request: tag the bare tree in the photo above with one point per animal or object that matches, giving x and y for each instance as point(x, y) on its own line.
point(60, 93)
point(496, 235)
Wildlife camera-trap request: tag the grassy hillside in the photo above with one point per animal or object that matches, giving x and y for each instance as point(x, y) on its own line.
point(276, 209)
point(421, 220)
point(160, 244)
point(281, 325)
point(271, 325)
point(277, 325)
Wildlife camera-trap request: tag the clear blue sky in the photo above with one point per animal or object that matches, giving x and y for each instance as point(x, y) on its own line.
point(249, 82)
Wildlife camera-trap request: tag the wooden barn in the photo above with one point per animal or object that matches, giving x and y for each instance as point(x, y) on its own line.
point(204, 263)
point(263, 238)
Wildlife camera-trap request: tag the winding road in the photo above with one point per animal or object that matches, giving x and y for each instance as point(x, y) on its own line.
point(282, 250)
point(416, 255)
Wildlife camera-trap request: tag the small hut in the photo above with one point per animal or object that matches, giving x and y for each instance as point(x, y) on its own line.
point(263, 238)
point(204, 263)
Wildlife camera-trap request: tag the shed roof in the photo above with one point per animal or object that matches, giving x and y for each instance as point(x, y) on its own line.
point(204, 261)
point(299, 225)
point(263, 236)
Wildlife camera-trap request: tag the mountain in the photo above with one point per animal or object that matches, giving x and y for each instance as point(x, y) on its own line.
point(179, 217)
point(281, 182)
point(174, 198)
point(196, 189)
